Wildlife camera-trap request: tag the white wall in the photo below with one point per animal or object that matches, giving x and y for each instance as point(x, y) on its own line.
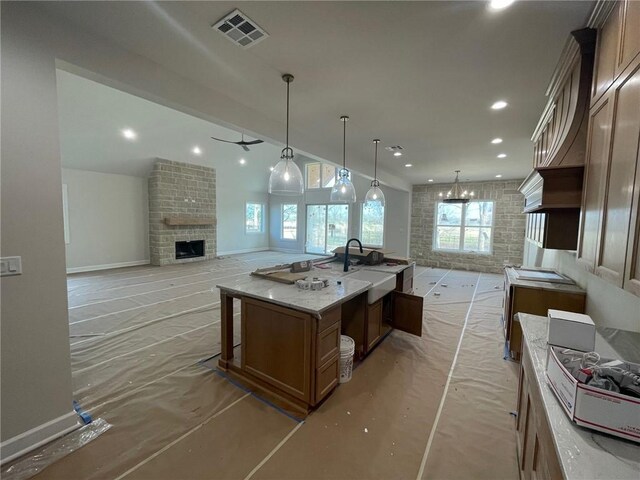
point(235, 186)
point(35, 362)
point(108, 220)
point(609, 306)
point(397, 208)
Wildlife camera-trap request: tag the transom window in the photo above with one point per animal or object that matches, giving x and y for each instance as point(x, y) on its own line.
point(289, 221)
point(321, 175)
point(254, 218)
point(372, 224)
point(464, 227)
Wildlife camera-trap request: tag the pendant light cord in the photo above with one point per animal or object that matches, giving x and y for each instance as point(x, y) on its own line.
point(375, 164)
point(344, 144)
point(288, 83)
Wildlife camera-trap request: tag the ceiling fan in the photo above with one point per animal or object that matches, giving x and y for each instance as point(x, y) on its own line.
point(242, 143)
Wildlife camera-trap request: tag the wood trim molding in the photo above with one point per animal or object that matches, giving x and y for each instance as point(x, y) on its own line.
point(182, 220)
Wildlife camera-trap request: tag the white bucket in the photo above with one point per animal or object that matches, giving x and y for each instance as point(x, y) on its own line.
point(347, 349)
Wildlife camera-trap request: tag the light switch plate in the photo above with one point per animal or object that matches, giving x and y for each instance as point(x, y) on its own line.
point(10, 266)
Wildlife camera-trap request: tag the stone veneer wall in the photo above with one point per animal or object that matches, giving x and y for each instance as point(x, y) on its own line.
point(180, 189)
point(508, 231)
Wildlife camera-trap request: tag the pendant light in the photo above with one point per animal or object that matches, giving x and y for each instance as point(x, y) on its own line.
point(457, 194)
point(343, 191)
point(286, 178)
point(375, 195)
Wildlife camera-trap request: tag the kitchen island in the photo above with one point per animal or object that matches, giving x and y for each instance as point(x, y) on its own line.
point(290, 338)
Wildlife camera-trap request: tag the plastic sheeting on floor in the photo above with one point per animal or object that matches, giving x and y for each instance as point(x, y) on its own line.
point(137, 337)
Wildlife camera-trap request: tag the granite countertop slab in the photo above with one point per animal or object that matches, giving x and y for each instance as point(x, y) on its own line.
point(559, 287)
point(311, 301)
point(583, 453)
point(388, 268)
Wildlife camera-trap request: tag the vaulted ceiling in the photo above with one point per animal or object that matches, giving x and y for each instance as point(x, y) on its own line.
point(417, 74)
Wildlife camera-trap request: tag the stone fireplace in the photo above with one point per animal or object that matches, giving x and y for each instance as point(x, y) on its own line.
point(182, 213)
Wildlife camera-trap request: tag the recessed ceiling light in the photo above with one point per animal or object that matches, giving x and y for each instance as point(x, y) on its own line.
point(408, 164)
point(271, 168)
point(500, 4)
point(499, 105)
point(196, 150)
point(498, 176)
point(495, 141)
point(502, 155)
point(129, 134)
point(397, 154)
point(242, 161)
point(430, 180)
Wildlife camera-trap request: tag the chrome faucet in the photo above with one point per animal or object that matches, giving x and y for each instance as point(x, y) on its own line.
point(346, 252)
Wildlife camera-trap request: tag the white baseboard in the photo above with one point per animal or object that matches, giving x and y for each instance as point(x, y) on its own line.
point(34, 438)
point(245, 250)
point(109, 266)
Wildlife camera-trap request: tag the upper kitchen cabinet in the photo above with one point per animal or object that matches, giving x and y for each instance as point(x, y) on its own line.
point(618, 45)
point(629, 34)
point(607, 53)
point(609, 226)
point(553, 190)
point(621, 180)
point(595, 177)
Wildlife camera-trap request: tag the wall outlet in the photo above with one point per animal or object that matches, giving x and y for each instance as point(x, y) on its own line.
point(10, 266)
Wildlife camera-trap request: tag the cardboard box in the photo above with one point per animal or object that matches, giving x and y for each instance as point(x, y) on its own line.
point(609, 412)
point(571, 330)
point(369, 256)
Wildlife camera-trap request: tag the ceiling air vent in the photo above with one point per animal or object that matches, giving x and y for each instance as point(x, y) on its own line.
point(240, 29)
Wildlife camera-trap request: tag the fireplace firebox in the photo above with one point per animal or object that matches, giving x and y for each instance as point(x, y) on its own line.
point(192, 249)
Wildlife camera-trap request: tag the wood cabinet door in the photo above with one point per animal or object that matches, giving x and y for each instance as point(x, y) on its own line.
point(595, 174)
point(632, 269)
point(606, 54)
point(630, 33)
point(374, 323)
point(407, 313)
point(612, 248)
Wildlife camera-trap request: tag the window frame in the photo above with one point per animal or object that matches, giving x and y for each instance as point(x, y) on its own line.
point(336, 170)
point(326, 230)
point(282, 237)
point(384, 224)
point(262, 220)
point(462, 226)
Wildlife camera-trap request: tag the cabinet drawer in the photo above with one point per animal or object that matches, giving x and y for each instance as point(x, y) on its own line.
point(329, 318)
point(327, 344)
point(327, 377)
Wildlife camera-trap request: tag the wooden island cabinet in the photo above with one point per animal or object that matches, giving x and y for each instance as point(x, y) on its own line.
point(289, 347)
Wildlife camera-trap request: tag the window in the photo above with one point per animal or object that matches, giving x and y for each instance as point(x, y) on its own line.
point(321, 175)
point(372, 224)
point(327, 227)
point(254, 218)
point(289, 221)
point(464, 227)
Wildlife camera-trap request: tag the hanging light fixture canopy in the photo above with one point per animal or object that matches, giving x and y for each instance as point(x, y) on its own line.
point(375, 194)
point(343, 191)
point(457, 194)
point(286, 178)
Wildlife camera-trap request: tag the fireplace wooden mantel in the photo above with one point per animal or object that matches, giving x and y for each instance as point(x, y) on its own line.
point(184, 220)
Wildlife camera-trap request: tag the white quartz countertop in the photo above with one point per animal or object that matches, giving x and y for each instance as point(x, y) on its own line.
point(583, 453)
point(286, 295)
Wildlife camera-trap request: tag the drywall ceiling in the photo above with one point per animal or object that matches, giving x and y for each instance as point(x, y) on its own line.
point(418, 74)
point(93, 116)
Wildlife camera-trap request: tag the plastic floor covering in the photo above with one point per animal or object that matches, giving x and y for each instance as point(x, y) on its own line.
point(432, 407)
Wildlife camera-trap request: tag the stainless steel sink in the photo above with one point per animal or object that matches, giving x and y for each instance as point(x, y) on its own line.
point(383, 283)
